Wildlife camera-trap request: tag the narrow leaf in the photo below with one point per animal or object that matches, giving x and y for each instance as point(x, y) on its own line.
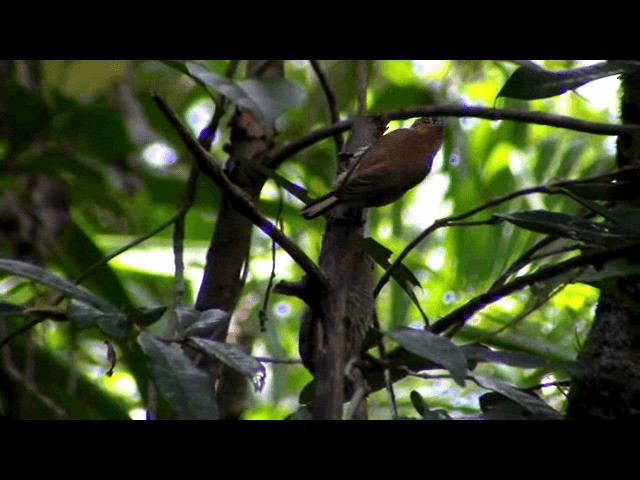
point(563, 225)
point(9, 308)
point(530, 402)
point(235, 358)
point(528, 83)
point(209, 321)
point(186, 387)
point(438, 349)
point(40, 275)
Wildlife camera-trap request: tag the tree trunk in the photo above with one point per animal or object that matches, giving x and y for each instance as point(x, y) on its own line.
point(609, 388)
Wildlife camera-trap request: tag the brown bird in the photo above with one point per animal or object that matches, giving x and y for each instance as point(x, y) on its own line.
point(394, 164)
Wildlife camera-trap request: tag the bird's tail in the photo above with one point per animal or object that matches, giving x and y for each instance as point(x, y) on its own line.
point(319, 206)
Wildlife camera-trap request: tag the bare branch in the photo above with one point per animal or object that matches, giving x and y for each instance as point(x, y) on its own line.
point(331, 100)
point(240, 199)
point(462, 314)
point(539, 118)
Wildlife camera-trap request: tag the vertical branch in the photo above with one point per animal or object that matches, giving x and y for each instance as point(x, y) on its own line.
point(362, 86)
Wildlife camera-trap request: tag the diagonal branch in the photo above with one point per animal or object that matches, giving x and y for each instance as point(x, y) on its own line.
point(240, 199)
point(462, 314)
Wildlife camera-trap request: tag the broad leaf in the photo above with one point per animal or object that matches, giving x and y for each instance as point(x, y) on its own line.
point(185, 317)
point(40, 275)
point(531, 403)
point(423, 409)
point(209, 322)
point(85, 316)
point(233, 357)
point(187, 388)
point(145, 316)
point(482, 353)
point(438, 349)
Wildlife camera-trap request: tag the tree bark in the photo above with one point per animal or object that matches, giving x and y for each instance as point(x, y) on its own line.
point(228, 251)
point(609, 388)
point(331, 335)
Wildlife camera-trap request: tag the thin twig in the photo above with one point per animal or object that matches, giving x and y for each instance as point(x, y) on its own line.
point(31, 388)
point(462, 314)
point(285, 361)
point(388, 383)
point(443, 222)
point(239, 198)
point(523, 260)
point(23, 328)
point(262, 315)
point(461, 111)
point(178, 248)
point(331, 101)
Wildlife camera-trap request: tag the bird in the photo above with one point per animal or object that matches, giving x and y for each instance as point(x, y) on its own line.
point(384, 171)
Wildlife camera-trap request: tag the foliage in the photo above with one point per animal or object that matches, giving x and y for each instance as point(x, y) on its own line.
point(93, 127)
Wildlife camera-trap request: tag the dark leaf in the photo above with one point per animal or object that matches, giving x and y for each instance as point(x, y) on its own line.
point(529, 402)
point(85, 316)
point(9, 308)
point(301, 413)
point(145, 316)
point(111, 357)
point(37, 274)
point(563, 225)
point(209, 322)
point(233, 357)
point(185, 317)
point(482, 353)
point(528, 83)
point(438, 349)
point(496, 406)
point(187, 388)
point(25, 113)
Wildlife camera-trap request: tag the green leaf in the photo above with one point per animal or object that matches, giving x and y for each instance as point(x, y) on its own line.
point(528, 83)
point(235, 358)
point(381, 254)
point(185, 317)
point(209, 322)
point(145, 316)
point(616, 268)
point(37, 274)
point(187, 388)
point(531, 403)
point(482, 353)
point(85, 316)
point(563, 225)
point(423, 409)
point(496, 406)
point(271, 96)
point(438, 349)
point(25, 113)
point(266, 97)
point(401, 274)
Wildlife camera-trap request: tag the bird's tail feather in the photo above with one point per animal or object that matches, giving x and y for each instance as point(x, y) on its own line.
point(319, 206)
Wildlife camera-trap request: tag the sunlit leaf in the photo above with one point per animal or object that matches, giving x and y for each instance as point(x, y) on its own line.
point(233, 357)
point(438, 349)
point(40, 275)
point(187, 388)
